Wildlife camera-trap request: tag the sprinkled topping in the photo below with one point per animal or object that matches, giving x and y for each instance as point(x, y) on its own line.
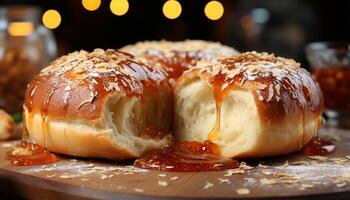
point(163, 183)
point(230, 172)
point(90, 75)
point(118, 70)
point(66, 176)
point(224, 180)
point(273, 76)
point(208, 185)
point(243, 191)
point(266, 181)
point(138, 190)
point(203, 48)
point(174, 178)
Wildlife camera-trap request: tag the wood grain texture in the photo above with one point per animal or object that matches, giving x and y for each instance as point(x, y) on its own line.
point(292, 176)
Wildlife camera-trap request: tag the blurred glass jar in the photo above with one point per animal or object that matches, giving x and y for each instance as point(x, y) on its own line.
point(330, 64)
point(25, 47)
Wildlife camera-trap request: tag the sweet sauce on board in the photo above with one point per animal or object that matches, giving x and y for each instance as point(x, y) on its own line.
point(186, 157)
point(27, 154)
point(318, 147)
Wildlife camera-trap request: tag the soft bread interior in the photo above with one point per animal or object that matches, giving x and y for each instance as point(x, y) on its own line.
point(118, 134)
point(132, 119)
point(244, 131)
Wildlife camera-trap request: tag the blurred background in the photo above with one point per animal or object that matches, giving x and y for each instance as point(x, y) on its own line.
point(30, 37)
point(282, 27)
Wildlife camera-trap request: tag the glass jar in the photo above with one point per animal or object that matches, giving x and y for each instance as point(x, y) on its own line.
point(25, 47)
point(330, 65)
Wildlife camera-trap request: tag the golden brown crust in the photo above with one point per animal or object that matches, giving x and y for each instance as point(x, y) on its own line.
point(282, 89)
point(76, 139)
point(78, 84)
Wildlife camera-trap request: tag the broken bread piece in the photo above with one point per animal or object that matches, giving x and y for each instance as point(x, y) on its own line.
point(251, 105)
point(102, 104)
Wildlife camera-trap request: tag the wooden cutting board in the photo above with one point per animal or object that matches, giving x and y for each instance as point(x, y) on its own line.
point(293, 176)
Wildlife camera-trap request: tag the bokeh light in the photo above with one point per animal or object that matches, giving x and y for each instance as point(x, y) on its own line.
point(214, 10)
point(20, 28)
point(51, 19)
point(172, 9)
point(119, 7)
point(91, 5)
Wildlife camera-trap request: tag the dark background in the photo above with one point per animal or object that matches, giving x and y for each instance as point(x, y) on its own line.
point(289, 26)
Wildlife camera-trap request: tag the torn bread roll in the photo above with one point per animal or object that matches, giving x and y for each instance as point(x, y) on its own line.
point(251, 105)
point(103, 104)
point(7, 126)
point(173, 58)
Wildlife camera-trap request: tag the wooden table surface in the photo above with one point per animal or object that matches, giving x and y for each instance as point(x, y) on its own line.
point(294, 176)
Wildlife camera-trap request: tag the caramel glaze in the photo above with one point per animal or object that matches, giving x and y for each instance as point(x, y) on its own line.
point(318, 147)
point(173, 58)
point(186, 157)
point(282, 89)
point(77, 85)
point(81, 81)
point(174, 66)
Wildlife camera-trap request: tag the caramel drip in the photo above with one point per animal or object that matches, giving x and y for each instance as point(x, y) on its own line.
point(24, 128)
point(218, 96)
point(215, 132)
point(66, 99)
point(303, 130)
point(44, 114)
point(220, 90)
point(29, 105)
point(27, 153)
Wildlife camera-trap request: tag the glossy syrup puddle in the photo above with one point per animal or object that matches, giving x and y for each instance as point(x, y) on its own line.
point(318, 147)
point(186, 157)
point(28, 154)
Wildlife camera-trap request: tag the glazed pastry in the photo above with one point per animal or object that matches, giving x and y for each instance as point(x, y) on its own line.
point(103, 104)
point(251, 105)
point(176, 57)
